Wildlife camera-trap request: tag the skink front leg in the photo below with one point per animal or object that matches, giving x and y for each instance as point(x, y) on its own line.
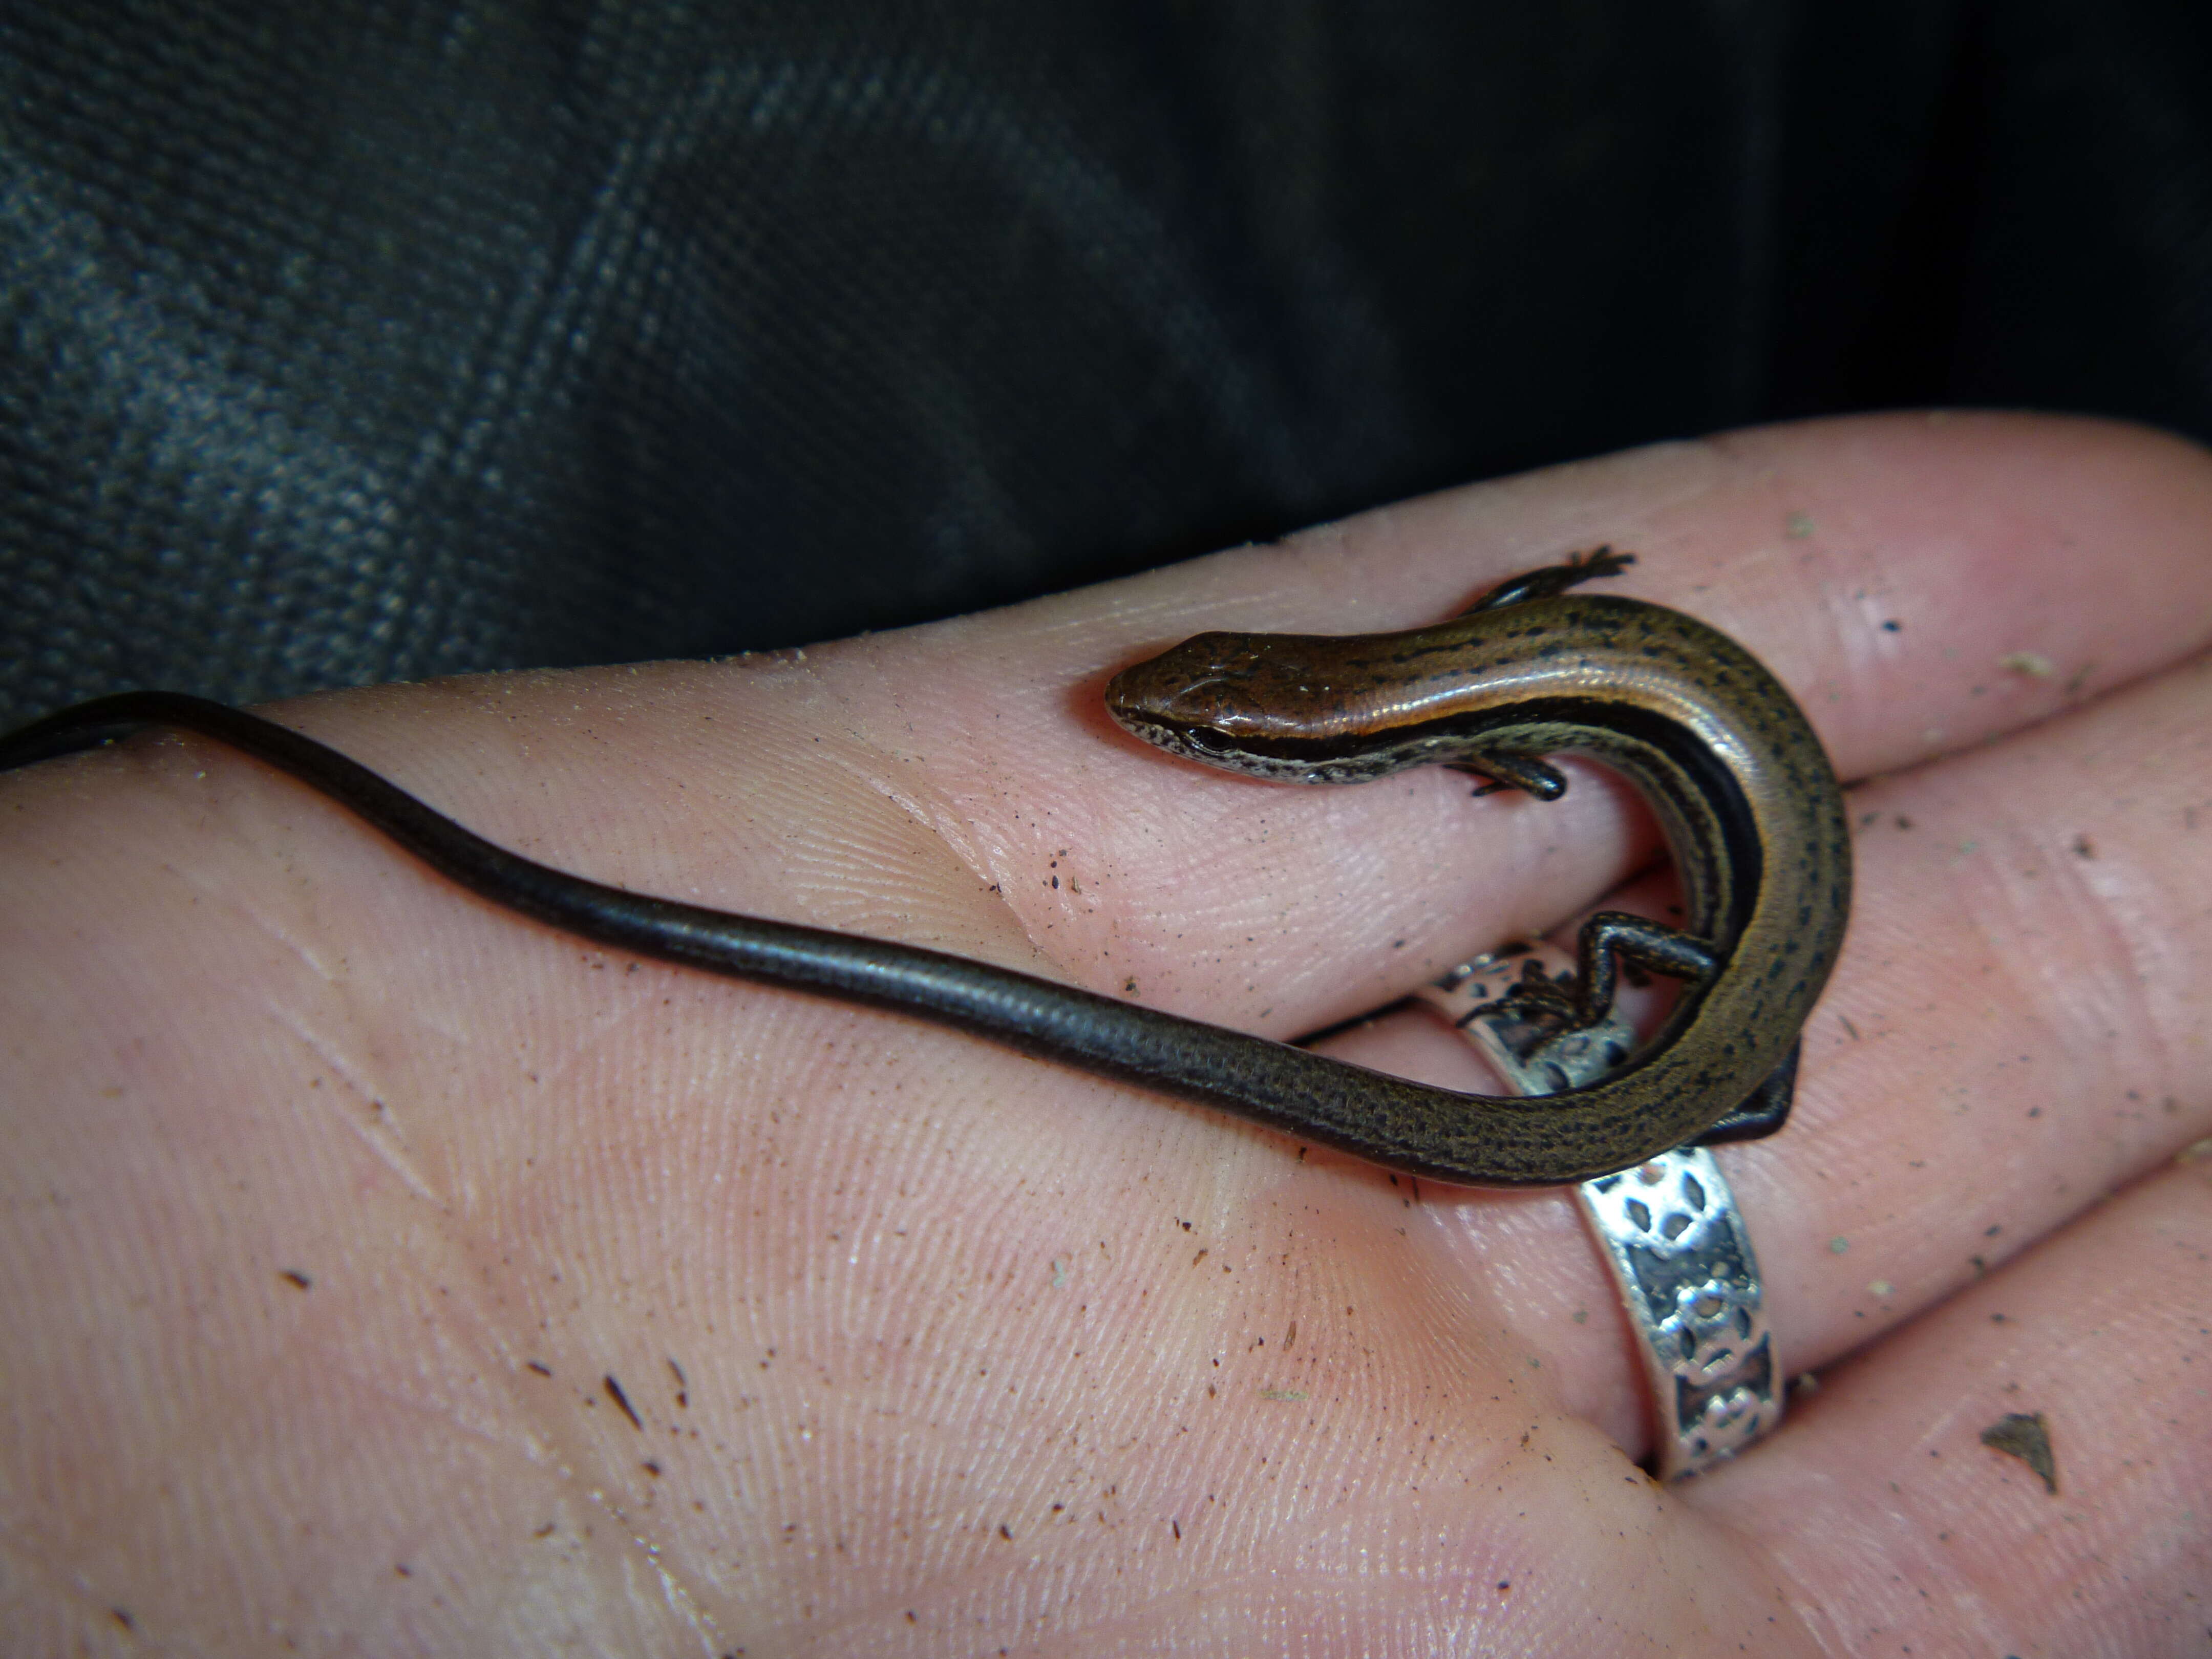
point(1546, 580)
point(1501, 772)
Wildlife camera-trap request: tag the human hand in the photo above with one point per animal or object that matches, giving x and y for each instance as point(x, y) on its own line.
point(383, 1271)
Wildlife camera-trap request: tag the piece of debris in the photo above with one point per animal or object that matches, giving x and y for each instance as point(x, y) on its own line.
point(2026, 1436)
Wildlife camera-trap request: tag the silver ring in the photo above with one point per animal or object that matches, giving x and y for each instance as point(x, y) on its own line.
point(1668, 1229)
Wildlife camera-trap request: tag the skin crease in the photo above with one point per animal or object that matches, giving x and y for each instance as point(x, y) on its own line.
point(385, 1273)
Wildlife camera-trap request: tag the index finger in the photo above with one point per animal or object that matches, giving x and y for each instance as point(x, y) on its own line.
point(1921, 582)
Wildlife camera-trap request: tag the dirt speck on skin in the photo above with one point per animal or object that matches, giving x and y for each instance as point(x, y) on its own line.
point(2026, 1436)
point(621, 1400)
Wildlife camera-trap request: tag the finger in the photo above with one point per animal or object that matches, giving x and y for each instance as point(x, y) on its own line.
point(1897, 1527)
point(2017, 1028)
point(1940, 597)
point(2020, 1026)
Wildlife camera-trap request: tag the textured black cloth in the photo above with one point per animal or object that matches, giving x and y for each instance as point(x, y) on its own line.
point(371, 339)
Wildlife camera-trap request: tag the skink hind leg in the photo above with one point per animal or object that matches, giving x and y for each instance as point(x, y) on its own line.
point(1582, 998)
point(1609, 938)
point(1765, 1112)
point(1612, 937)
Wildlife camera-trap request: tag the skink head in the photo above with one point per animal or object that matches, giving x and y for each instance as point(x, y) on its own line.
point(1223, 698)
point(1218, 683)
